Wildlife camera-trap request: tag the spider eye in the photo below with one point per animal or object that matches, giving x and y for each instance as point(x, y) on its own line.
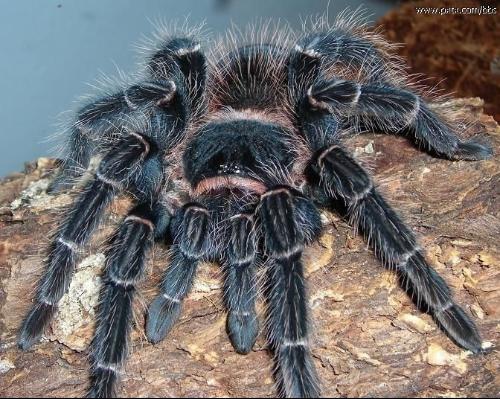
point(234, 160)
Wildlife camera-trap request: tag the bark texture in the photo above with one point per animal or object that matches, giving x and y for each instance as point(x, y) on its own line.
point(457, 52)
point(369, 339)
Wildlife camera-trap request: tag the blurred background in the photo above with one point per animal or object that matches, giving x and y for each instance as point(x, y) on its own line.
point(52, 49)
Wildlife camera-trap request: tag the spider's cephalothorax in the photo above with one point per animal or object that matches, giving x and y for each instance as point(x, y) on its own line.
point(251, 142)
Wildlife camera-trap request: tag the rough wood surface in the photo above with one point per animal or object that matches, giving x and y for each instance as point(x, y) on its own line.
point(457, 53)
point(369, 339)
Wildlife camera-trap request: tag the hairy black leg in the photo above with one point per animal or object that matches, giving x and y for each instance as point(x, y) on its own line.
point(77, 160)
point(174, 89)
point(308, 60)
point(98, 121)
point(94, 120)
point(394, 110)
point(317, 51)
point(125, 261)
point(185, 54)
point(287, 312)
point(340, 176)
point(112, 176)
point(240, 284)
point(189, 229)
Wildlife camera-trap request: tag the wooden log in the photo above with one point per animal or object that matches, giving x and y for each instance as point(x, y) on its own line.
point(369, 339)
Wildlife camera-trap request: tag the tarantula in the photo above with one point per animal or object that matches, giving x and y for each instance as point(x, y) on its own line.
point(231, 156)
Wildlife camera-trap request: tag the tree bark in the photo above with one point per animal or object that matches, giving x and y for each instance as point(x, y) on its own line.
point(369, 339)
point(457, 51)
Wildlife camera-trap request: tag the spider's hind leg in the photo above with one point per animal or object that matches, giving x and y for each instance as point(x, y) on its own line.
point(183, 54)
point(77, 160)
point(97, 125)
point(394, 110)
point(339, 176)
point(176, 71)
point(339, 46)
point(81, 144)
point(319, 65)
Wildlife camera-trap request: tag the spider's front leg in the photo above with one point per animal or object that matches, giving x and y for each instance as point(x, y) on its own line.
point(288, 222)
point(339, 177)
point(120, 167)
point(240, 283)
point(192, 240)
point(189, 228)
point(125, 261)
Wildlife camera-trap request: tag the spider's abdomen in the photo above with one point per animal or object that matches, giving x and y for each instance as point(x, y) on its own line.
point(252, 76)
point(244, 143)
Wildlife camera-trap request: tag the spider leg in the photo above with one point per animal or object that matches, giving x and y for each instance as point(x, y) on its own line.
point(125, 262)
point(99, 121)
point(112, 176)
point(394, 110)
point(189, 228)
point(77, 160)
point(185, 54)
point(240, 284)
point(317, 51)
point(340, 177)
point(176, 78)
point(281, 215)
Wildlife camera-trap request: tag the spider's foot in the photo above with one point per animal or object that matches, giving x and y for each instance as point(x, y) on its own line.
point(242, 330)
point(472, 151)
point(34, 325)
point(460, 328)
point(162, 315)
point(103, 383)
point(298, 377)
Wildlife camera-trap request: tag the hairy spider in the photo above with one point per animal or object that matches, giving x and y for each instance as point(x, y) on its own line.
point(231, 156)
